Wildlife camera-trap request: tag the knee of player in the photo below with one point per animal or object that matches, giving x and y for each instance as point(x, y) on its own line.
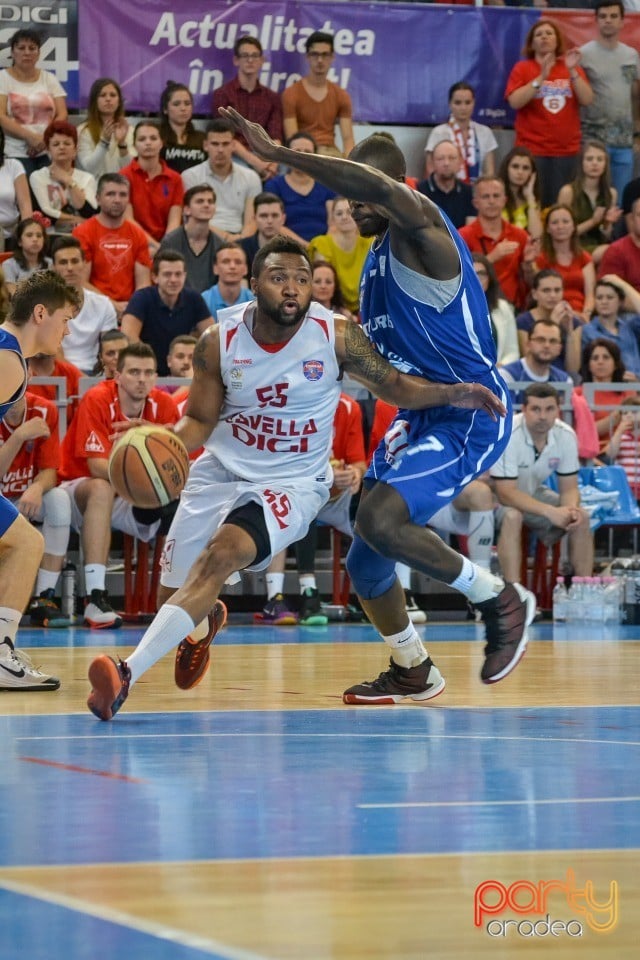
point(99, 491)
point(57, 507)
point(511, 520)
point(379, 530)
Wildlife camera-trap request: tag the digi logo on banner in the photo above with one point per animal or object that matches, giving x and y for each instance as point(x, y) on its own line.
point(58, 24)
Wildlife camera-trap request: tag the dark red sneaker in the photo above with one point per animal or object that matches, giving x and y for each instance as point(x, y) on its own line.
point(506, 618)
point(192, 656)
point(109, 686)
point(397, 684)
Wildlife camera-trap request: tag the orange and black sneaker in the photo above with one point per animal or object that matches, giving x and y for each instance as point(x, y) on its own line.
point(109, 686)
point(192, 656)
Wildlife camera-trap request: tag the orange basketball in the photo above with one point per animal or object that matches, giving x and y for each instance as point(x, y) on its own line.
point(149, 466)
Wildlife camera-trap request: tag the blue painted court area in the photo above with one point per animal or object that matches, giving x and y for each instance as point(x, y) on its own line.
point(207, 785)
point(37, 930)
point(239, 632)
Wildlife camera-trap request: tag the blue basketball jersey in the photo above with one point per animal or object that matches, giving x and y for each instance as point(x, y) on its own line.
point(445, 345)
point(9, 342)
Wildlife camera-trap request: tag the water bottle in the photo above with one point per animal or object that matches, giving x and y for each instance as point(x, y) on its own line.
point(594, 606)
point(575, 610)
point(560, 600)
point(612, 599)
point(68, 590)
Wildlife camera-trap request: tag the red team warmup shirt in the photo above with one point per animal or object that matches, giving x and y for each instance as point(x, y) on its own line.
point(88, 436)
point(61, 368)
point(348, 439)
point(35, 455)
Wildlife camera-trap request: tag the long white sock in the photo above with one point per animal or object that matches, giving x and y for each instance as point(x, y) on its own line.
point(307, 581)
point(477, 584)
point(94, 577)
point(9, 623)
point(170, 625)
point(46, 580)
point(275, 584)
point(408, 649)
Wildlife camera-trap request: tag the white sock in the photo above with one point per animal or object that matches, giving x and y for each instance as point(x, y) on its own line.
point(46, 580)
point(94, 577)
point(307, 581)
point(170, 625)
point(477, 584)
point(275, 584)
point(9, 623)
point(408, 649)
point(403, 573)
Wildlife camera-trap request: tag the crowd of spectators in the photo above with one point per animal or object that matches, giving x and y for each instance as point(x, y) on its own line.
point(156, 227)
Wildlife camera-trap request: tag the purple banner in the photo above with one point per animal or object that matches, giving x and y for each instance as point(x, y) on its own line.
point(395, 60)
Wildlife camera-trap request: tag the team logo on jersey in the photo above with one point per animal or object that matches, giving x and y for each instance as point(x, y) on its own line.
point(236, 379)
point(313, 369)
point(93, 443)
point(554, 463)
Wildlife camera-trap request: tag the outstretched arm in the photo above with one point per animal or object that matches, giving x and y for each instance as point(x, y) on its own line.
point(358, 357)
point(357, 181)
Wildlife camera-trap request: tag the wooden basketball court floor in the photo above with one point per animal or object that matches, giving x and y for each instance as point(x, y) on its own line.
point(258, 818)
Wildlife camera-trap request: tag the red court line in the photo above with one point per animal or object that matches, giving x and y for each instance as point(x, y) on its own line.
point(75, 769)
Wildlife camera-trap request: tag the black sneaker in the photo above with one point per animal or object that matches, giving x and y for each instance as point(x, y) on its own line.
point(311, 614)
point(45, 612)
point(506, 618)
point(109, 686)
point(99, 613)
point(397, 684)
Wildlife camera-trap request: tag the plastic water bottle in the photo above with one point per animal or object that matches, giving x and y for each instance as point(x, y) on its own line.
point(575, 611)
point(68, 590)
point(594, 600)
point(612, 595)
point(560, 601)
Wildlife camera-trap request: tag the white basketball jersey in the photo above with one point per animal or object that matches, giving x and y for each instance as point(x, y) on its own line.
point(277, 416)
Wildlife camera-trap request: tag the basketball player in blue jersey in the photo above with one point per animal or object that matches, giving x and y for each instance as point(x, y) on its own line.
point(424, 310)
point(37, 322)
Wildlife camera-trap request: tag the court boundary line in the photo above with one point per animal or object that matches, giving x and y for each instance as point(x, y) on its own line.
point(119, 918)
point(493, 803)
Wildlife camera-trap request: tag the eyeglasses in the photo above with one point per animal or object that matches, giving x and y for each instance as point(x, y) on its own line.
point(554, 343)
point(249, 56)
point(320, 56)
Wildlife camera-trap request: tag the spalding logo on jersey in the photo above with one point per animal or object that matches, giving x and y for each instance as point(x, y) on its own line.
point(313, 369)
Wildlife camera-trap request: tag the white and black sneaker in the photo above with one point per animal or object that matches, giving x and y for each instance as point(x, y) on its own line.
point(99, 613)
point(396, 684)
point(17, 672)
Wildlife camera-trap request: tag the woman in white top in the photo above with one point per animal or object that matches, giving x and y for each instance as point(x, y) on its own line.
point(503, 321)
point(105, 141)
point(66, 195)
point(475, 141)
point(15, 199)
point(30, 99)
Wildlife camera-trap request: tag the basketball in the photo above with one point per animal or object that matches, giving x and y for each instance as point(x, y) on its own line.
point(149, 466)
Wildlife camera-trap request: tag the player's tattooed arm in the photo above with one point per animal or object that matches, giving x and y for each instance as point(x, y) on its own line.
point(206, 393)
point(359, 358)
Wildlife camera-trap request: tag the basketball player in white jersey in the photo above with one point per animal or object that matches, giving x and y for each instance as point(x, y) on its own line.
point(264, 393)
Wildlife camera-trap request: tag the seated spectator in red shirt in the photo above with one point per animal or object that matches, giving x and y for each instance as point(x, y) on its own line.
point(155, 200)
point(622, 257)
point(131, 399)
point(115, 249)
point(561, 251)
point(254, 101)
point(508, 248)
point(29, 463)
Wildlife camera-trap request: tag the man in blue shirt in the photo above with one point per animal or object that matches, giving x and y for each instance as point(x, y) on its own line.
point(230, 267)
point(161, 312)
